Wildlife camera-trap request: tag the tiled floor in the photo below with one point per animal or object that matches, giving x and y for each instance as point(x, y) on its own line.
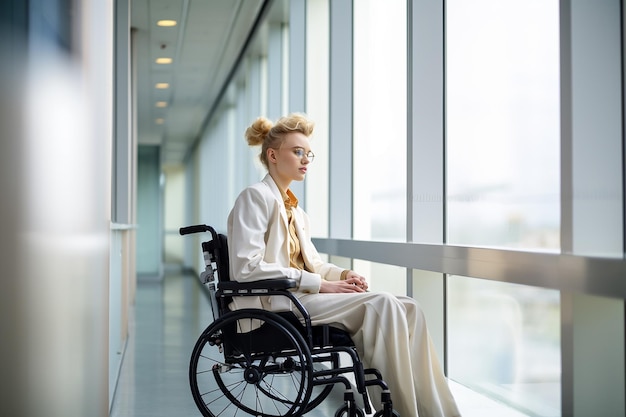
point(167, 318)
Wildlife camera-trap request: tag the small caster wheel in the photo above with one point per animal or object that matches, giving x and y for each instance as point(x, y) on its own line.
point(381, 413)
point(344, 411)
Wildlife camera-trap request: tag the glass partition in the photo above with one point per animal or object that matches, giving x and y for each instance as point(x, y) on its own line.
point(504, 341)
point(503, 190)
point(503, 123)
point(317, 96)
point(382, 277)
point(379, 143)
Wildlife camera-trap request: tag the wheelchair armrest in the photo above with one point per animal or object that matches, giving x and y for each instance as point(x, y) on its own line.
point(260, 286)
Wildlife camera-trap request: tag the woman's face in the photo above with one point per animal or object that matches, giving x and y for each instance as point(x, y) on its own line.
point(290, 161)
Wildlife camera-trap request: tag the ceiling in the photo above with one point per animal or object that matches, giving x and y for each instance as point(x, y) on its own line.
point(204, 46)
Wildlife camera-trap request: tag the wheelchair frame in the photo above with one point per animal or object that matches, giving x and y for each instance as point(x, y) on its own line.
point(284, 367)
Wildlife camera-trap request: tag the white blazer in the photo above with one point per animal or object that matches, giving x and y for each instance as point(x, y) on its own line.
point(258, 246)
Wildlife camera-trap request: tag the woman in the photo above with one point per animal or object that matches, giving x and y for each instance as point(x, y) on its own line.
point(269, 237)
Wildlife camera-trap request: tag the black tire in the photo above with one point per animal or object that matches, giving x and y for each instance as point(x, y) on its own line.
point(380, 414)
point(344, 411)
point(266, 372)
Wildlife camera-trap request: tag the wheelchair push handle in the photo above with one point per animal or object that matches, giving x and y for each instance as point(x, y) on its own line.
point(198, 228)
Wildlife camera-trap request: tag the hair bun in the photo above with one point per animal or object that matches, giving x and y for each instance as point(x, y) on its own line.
point(258, 131)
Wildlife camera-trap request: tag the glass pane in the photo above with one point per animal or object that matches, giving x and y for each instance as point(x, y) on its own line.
point(503, 123)
point(317, 79)
point(504, 341)
point(382, 277)
point(380, 120)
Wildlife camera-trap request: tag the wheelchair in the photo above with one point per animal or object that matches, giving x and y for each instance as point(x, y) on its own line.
point(284, 366)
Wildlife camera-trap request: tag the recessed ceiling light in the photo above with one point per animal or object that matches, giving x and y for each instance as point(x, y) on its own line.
point(159, 121)
point(166, 22)
point(162, 86)
point(161, 104)
point(164, 60)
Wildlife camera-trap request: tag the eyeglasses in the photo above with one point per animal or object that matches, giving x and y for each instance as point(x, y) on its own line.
point(299, 152)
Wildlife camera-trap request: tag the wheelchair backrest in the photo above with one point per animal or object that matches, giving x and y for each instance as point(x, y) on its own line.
point(217, 250)
point(215, 253)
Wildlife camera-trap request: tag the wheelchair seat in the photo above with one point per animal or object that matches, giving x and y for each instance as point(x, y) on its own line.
point(284, 366)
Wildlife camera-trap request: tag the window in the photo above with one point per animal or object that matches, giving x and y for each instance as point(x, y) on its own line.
point(317, 57)
point(504, 341)
point(380, 74)
point(503, 190)
point(503, 124)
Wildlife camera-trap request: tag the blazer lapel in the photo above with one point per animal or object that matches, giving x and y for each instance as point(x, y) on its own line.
point(304, 243)
point(279, 200)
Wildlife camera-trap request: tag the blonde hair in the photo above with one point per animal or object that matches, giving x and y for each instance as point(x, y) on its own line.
point(264, 132)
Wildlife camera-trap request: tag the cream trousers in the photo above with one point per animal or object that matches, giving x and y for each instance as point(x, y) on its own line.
point(390, 334)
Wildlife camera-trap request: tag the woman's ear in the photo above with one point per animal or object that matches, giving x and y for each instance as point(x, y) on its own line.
point(271, 154)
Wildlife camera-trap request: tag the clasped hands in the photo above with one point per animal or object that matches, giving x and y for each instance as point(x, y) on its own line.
point(353, 283)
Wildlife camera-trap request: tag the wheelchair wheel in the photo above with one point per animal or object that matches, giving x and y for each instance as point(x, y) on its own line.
point(266, 372)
